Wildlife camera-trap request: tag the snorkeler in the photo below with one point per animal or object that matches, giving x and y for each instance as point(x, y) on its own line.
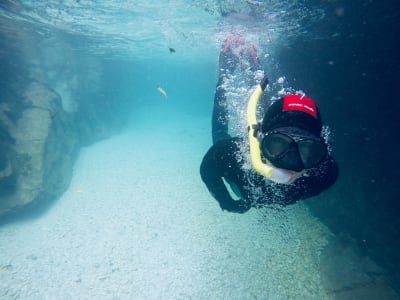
point(289, 156)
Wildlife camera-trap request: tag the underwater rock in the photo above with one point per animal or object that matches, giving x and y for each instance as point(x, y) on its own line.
point(40, 140)
point(54, 100)
point(29, 124)
point(348, 274)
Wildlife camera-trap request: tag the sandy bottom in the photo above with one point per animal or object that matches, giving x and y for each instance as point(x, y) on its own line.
point(138, 223)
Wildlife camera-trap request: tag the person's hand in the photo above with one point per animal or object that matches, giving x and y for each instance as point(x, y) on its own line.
point(239, 206)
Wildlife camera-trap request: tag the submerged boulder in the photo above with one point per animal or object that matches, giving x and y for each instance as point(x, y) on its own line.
point(30, 149)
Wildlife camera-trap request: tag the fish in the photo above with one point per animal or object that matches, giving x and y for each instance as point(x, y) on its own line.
point(172, 50)
point(161, 90)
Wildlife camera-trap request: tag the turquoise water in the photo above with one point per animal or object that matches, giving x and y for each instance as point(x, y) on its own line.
point(136, 222)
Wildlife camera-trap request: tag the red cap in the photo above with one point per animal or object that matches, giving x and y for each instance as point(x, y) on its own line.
point(293, 111)
point(300, 103)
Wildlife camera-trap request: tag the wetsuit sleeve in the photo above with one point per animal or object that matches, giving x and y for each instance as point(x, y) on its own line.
point(220, 115)
point(212, 172)
point(317, 181)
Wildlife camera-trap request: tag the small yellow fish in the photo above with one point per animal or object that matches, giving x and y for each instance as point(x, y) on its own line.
point(161, 90)
point(78, 190)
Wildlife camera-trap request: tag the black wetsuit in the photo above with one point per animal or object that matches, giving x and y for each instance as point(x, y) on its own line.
point(224, 160)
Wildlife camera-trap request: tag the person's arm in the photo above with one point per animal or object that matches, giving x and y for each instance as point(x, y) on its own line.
point(326, 175)
point(211, 173)
point(220, 116)
point(315, 181)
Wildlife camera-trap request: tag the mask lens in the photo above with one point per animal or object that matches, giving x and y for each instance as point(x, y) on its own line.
point(311, 152)
point(275, 145)
point(281, 151)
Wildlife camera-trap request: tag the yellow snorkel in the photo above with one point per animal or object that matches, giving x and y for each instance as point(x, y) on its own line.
point(274, 174)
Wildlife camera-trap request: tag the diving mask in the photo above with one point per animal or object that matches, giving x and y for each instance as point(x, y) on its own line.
point(293, 149)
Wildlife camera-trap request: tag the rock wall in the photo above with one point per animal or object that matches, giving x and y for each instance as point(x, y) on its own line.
point(351, 76)
point(40, 141)
point(53, 101)
point(24, 167)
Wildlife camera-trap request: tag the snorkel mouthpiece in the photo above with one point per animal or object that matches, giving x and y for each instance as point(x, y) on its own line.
point(274, 174)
